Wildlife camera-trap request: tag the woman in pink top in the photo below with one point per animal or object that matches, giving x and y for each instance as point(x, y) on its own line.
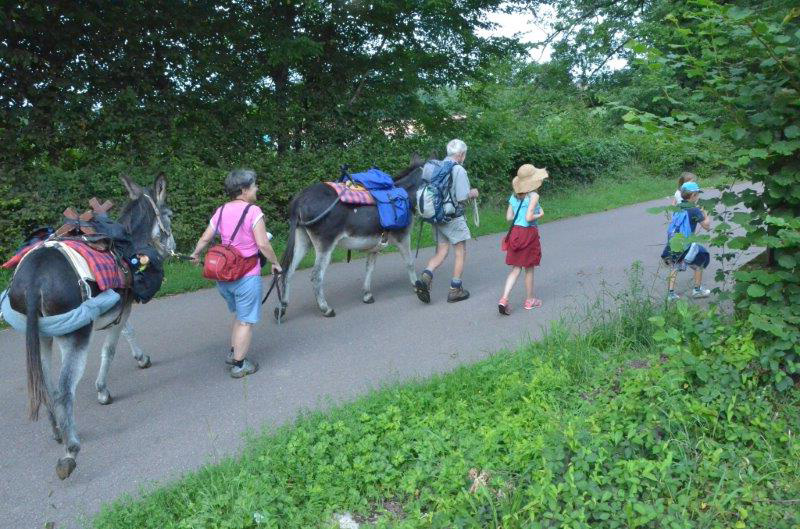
point(243, 296)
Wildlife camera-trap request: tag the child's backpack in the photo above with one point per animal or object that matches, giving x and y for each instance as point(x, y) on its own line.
point(679, 225)
point(435, 202)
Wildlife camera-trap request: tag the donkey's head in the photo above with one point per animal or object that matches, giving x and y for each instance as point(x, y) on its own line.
point(411, 178)
point(146, 216)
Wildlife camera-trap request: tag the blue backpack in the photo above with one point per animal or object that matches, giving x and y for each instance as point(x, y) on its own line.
point(679, 225)
point(435, 202)
point(394, 208)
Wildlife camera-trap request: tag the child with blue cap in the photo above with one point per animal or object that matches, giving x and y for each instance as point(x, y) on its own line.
point(696, 256)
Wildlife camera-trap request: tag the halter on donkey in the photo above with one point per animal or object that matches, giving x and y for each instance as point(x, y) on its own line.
point(317, 218)
point(46, 284)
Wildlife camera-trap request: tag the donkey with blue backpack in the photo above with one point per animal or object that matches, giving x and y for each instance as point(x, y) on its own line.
point(440, 202)
point(684, 223)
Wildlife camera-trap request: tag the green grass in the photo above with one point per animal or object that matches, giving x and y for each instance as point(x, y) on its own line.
point(590, 430)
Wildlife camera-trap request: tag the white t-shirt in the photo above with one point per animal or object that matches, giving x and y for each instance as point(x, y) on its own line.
point(678, 197)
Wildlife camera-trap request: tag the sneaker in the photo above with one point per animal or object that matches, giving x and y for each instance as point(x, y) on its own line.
point(423, 288)
point(503, 307)
point(248, 368)
point(672, 296)
point(532, 303)
point(700, 292)
point(229, 360)
point(457, 294)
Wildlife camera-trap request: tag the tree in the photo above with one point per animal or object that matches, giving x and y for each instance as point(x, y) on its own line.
point(743, 64)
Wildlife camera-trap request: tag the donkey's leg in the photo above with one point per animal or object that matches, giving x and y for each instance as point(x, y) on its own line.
point(74, 348)
point(142, 360)
point(301, 245)
point(46, 350)
point(404, 247)
point(321, 261)
point(106, 357)
point(367, 297)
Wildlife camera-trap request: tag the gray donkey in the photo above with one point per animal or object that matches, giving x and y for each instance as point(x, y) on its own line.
point(317, 219)
point(45, 284)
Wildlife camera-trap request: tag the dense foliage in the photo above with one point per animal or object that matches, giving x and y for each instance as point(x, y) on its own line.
point(743, 65)
point(613, 428)
point(292, 89)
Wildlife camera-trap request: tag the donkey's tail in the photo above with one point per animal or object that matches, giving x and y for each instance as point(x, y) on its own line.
point(37, 393)
point(294, 220)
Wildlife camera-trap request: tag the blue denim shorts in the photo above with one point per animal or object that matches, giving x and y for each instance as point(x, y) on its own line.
point(243, 297)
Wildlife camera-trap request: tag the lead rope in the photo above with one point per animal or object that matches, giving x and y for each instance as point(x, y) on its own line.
point(476, 216)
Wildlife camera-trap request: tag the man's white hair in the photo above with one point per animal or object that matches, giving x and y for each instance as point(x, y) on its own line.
point(455, 147)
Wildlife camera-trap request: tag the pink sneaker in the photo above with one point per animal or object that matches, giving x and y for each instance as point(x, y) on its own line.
point(532, 303)
point(503, 307)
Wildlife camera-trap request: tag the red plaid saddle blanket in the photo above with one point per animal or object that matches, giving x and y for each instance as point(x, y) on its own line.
point(107, 273)
point(349, 194)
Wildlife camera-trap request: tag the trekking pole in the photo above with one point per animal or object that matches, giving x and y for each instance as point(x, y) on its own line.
point(419, 238)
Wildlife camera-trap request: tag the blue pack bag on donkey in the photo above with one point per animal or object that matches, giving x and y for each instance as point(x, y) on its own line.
point(394, 208)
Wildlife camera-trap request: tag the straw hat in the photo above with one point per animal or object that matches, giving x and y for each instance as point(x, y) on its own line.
point(528, 178)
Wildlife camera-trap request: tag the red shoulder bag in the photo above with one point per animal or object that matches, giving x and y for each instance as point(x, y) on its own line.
point(223, 262)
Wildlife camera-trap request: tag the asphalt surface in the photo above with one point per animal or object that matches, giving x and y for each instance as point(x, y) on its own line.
point(186, 411)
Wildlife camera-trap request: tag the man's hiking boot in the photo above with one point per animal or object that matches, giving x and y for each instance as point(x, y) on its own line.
point(457, 294)
point(423, 287)
point(248, 368)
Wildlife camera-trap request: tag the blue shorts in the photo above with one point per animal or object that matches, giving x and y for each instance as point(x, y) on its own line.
point(243, 297)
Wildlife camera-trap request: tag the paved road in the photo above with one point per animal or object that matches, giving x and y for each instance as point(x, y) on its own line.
point(185, 411)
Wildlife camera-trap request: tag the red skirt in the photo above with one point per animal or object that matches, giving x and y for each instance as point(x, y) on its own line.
point(523, 247)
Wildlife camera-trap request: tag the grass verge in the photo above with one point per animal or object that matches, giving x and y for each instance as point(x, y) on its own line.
point(598, 429)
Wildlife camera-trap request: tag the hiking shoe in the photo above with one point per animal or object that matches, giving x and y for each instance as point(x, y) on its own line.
point(672, 296)
point(700, 292)
point(229, 359)
point(503, 307)
point(457, 294)
point(248, 368)
point(423, 287)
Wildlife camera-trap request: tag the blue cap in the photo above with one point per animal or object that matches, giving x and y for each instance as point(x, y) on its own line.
point(691, 187)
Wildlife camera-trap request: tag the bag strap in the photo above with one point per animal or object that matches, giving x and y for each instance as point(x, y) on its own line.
point(219, 219)
point(239, 225)
point(514, 220)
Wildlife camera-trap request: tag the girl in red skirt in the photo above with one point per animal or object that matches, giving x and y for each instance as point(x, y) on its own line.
point(521, 243)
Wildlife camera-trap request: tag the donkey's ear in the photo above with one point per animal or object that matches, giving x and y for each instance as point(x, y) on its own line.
point(134, 189)
point(160, 188)
point(416, 159)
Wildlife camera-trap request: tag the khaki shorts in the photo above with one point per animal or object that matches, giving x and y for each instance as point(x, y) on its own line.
point(454, 232)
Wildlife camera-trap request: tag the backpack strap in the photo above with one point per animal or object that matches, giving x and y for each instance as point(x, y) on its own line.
point(239, 225)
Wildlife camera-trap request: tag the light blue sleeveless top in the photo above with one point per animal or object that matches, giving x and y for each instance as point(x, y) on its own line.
point(513, 201)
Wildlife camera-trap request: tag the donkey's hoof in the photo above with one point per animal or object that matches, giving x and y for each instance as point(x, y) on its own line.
point(280, 313)
point(104, 397)
point(330, 313)
point(368, 298)
point(144, 362)
point(65, 466)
